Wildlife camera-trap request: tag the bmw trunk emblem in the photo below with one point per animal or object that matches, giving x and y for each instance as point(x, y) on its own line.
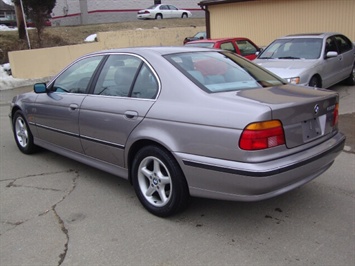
point(316, 109)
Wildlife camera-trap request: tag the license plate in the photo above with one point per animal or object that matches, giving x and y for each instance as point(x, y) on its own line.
point(313, 128)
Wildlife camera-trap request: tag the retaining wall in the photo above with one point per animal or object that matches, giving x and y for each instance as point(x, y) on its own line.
point(41, 63)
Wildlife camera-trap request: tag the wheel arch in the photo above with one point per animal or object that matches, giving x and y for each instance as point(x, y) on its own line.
point(14, 110)
point(318, 76)
point(159, 15)
point(136, 146)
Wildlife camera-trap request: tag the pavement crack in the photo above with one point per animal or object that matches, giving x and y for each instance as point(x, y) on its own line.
point(61, 221)
point(39, 188)
point(66, 232)
point(13, 180)
point(12, 224)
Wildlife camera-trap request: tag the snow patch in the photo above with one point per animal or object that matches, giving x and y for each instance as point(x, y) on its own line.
point(8, 82)
point(91, 38)
point(8, 2)
point(6, 28)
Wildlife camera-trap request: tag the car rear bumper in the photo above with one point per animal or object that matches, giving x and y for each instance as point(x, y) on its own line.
point(230, 180)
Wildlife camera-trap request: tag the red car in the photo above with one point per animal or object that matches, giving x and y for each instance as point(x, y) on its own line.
point(240, 45)
point(30, 23)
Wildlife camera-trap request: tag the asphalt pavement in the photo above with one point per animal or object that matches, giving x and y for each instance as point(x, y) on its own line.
point(55, 211)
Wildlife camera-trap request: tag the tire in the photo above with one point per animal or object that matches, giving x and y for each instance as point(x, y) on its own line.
point(184, 15)
point(315, 82)
point(159, 182)
point(158, 16)
point(351, 79)
point(22, 134)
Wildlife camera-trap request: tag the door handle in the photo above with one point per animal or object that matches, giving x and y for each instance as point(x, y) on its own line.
point(131, 114)
point(73, 106)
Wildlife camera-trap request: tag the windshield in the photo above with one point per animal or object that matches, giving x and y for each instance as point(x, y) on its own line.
point(303, 48)
point(215, 71)
point(201, 34)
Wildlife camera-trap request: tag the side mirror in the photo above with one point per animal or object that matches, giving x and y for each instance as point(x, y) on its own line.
point(40, 88)
point(331, 54)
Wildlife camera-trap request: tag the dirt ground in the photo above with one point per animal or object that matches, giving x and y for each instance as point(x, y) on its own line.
point(59, 36)
point(347, 126)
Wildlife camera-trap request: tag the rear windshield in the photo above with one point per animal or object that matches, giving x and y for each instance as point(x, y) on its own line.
point(217, 71)
point(201, 44)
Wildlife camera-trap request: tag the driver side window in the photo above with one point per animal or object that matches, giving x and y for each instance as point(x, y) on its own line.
point(76, 78)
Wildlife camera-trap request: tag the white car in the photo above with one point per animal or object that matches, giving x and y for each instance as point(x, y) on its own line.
point(316, 60)
point(163, 11)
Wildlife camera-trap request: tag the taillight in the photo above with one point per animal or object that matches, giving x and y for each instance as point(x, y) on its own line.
point(335, 115)
point(262, 135)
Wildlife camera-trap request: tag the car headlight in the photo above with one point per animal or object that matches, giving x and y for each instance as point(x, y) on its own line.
point(295, 80)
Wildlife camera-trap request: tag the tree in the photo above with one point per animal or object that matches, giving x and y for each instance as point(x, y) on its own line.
point(19, 20)
point(38, 11)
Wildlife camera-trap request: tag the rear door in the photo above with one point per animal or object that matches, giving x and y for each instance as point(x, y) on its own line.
point(125, 91)
point(332, 68)
point(175, 13)
point(347, 53)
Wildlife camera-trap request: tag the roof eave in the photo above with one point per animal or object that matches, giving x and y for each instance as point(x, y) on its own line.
point(218, 2)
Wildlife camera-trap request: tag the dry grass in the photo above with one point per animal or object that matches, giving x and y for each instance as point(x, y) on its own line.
point(59, 36)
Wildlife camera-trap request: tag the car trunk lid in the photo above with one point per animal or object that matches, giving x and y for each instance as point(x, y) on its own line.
point(306, 114)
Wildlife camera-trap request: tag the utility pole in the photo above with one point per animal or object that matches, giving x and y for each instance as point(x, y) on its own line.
point(84, 15)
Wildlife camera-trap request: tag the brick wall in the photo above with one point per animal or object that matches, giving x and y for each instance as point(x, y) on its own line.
point(67, 12)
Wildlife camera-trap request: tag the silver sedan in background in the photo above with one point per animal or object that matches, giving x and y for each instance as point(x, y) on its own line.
point(316, 60)
point(182, 121)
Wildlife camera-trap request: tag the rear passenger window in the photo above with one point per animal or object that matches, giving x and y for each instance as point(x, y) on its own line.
point(126, 76)
point(146, 85)
point(343, 43)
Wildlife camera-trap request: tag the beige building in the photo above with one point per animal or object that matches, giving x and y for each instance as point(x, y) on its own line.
point(265, 20)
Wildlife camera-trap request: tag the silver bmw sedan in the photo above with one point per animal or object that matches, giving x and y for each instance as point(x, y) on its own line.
point(182, 121)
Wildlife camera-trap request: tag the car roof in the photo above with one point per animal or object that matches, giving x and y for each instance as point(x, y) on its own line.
point(163, 50)
point(219, 39)
point(310, 35)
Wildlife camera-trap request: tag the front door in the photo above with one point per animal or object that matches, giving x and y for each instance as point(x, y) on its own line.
point(57, 111)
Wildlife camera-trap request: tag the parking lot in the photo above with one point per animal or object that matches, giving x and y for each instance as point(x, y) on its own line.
point(55, 211)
